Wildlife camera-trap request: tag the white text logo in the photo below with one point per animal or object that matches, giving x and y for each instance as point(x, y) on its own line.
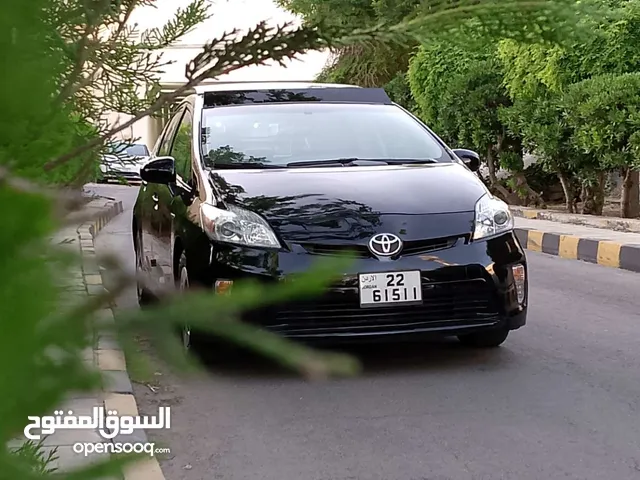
point(109, 425)
point(89, 448)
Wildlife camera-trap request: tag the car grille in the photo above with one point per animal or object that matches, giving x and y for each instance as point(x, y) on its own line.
point(418, 247)
point(445, 304)
point(126, 176)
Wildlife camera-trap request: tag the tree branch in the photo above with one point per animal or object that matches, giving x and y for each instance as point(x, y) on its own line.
point(86, 81)
point(255, 48)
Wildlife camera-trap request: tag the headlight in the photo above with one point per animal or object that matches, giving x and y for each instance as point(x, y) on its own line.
point(493, 217)
point(237, 226)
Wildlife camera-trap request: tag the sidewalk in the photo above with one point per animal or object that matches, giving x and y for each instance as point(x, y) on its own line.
point(611, 248)
point(75, 292)
point(84, 280)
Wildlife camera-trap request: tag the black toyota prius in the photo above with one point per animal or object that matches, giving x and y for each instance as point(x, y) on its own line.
point(261, 180)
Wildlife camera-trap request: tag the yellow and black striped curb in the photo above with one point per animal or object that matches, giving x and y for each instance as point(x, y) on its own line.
point(107, 354)
point(601, 252)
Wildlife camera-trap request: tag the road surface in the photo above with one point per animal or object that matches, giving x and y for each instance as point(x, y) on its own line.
point(560, 399)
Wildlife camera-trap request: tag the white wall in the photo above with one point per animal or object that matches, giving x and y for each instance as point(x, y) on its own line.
point(141, 131)
point(227, 15)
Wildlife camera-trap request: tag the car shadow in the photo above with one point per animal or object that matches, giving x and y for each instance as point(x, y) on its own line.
point(375, 359)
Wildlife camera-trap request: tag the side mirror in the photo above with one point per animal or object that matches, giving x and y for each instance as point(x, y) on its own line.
point(470, 158)
point(161, 170)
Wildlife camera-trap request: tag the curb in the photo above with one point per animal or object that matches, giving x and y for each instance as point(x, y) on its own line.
point(601, 252)
point(630, 225)
point(107, 355)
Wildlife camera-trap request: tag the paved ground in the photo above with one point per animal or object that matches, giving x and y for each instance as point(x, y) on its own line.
point(561, 398)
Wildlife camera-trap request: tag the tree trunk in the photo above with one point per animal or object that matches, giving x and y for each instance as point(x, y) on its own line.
point(593, 198)
point(568, 192)
point(529, 194)
point(491, 166)
point(630, 198)
point(503, 193)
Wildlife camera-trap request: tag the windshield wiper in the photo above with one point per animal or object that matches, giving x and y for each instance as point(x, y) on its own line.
point(245, 165)
point(356, 161)
point(313, 163)
point(410, 161)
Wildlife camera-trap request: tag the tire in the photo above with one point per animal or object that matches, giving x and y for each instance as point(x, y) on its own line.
point(190, 341)
point(144, 298)
point(488, 339)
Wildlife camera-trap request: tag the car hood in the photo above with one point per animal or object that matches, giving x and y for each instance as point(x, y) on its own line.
point(417, 201)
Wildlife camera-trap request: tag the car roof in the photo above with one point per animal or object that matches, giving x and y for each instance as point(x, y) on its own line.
point(284, 85)
point(252, 93)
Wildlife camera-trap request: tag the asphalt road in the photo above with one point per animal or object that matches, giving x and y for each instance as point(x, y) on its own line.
point(559, 400)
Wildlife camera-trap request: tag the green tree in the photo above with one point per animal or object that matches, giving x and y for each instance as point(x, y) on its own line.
point(459, 92)
point(111, 65)
point(99, 64)
point(399, 91)
point(377, 64)
point(537, 76)
point(371, 64)
point(534, 76)
point(604, 112)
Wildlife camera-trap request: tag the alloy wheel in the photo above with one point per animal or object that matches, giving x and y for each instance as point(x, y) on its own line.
point(138, 273)
point(186, 329)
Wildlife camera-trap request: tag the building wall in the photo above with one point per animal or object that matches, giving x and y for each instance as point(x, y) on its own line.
point(143, 131)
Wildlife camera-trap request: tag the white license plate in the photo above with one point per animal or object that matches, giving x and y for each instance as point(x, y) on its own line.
point(390, 288)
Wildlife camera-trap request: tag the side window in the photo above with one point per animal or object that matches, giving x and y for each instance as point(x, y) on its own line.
point(181, 148)
point(167, 139)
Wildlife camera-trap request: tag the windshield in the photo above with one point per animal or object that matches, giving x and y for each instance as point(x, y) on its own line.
point(135, 150)
point(281, 134)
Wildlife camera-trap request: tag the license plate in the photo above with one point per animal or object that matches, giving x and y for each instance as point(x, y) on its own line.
point(390, 288)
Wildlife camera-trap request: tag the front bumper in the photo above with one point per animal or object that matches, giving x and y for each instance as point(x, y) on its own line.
point(114, 175)
point(466, 287)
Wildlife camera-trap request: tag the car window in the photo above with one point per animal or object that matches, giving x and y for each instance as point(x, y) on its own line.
point(164, 148)
point(116, 148)
point(282, 133)
point(125, 148)
point(137, 150)
point(181, 149)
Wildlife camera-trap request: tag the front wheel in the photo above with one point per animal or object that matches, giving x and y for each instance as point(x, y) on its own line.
point(189, 340)
point(488, 339)
point(144, 298)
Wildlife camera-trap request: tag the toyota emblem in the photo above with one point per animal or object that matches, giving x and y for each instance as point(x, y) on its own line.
point(385, 244)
